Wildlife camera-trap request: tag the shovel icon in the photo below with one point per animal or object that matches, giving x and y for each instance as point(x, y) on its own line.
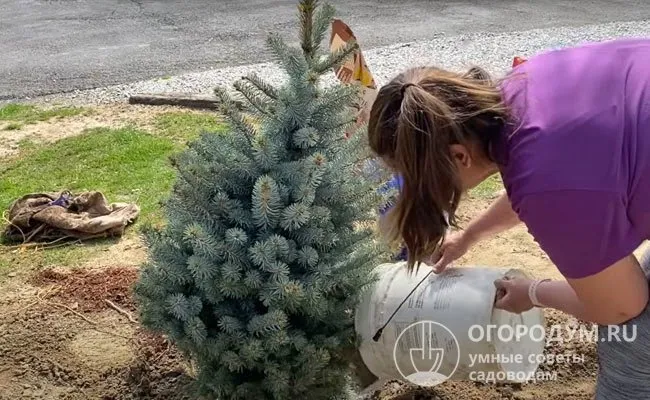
point(427, 351)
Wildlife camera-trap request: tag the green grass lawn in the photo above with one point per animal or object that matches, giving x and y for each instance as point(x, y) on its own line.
point(18, 114)
point(183, 126)
point(126, 164)
point(488, 187)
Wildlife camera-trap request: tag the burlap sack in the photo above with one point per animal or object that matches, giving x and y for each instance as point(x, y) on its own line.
point(38, 217)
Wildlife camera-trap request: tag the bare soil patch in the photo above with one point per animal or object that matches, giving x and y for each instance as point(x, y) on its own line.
point(129, 251)
point(59, 340)
point(89, 290)
point(49, 349)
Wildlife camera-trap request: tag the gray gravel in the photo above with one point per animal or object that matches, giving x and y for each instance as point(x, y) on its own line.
point(493, 51)
point(56, 46)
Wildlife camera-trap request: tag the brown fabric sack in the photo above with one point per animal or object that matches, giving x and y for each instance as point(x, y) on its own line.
point(38, 217)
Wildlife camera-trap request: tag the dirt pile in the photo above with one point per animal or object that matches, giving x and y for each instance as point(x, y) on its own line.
point(88, 289)
point(88, 350)
point(65, 342)
point(37, 363)
point(47, 354)
point(576, 344)
point(158, 372)
point(68, 343)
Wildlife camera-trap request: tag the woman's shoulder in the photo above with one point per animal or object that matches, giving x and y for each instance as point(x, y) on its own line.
point(580, 65)
point(593, 55)
point(583, 70)
point(569, 105)
point(603, 47)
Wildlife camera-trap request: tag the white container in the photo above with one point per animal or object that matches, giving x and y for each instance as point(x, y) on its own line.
point(448, 328)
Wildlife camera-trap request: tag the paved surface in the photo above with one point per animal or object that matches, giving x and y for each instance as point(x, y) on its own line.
point(53, 46)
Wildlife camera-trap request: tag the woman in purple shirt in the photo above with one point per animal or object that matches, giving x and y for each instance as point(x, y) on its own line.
point(569, 132)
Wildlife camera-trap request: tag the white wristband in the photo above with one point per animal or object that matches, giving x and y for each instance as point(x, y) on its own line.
point(532, 292)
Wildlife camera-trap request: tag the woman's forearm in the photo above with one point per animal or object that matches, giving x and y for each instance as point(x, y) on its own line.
point(613, 296)
point(561, 296)
point(496, 219)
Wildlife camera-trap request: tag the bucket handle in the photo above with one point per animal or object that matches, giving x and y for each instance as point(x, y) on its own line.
point(501, 292)
point(381, 330)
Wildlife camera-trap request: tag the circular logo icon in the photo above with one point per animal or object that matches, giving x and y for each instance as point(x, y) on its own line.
point(426, 353)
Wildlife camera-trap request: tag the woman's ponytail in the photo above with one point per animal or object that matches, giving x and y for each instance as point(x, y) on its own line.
point(430, 189)
point(413, 122)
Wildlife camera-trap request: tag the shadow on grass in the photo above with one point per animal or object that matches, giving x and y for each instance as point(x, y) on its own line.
point(69, 253)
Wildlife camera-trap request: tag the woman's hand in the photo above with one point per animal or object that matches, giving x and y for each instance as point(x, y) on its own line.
point(454, 247)
point(512, 294)
point(497, 218)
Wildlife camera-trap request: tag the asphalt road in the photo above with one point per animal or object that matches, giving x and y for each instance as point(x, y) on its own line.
point(54, 46)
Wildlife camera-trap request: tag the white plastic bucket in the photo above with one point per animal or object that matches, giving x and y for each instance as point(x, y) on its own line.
point(448, 328)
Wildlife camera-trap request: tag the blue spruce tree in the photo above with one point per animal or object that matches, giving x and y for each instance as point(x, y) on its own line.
point(269, 240)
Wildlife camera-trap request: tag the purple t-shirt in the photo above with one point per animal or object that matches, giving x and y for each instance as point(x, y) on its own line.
point(576, 160)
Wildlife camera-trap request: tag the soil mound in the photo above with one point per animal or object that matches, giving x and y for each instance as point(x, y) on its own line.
point(90, 289)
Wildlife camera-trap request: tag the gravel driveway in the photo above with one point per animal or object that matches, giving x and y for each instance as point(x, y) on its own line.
point(55, 46)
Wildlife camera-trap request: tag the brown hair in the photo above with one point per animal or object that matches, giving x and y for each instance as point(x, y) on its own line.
point(413, 121)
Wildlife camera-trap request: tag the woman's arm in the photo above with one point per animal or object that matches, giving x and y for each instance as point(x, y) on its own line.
point(497, 218)
point(612, 296)
point(561, 296)
point(589, 237)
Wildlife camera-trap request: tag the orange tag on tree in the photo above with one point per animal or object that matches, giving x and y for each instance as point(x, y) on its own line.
point(354, 70)
point(517, 61)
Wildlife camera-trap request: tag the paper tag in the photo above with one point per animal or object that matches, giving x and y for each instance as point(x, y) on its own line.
point(355, 71)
